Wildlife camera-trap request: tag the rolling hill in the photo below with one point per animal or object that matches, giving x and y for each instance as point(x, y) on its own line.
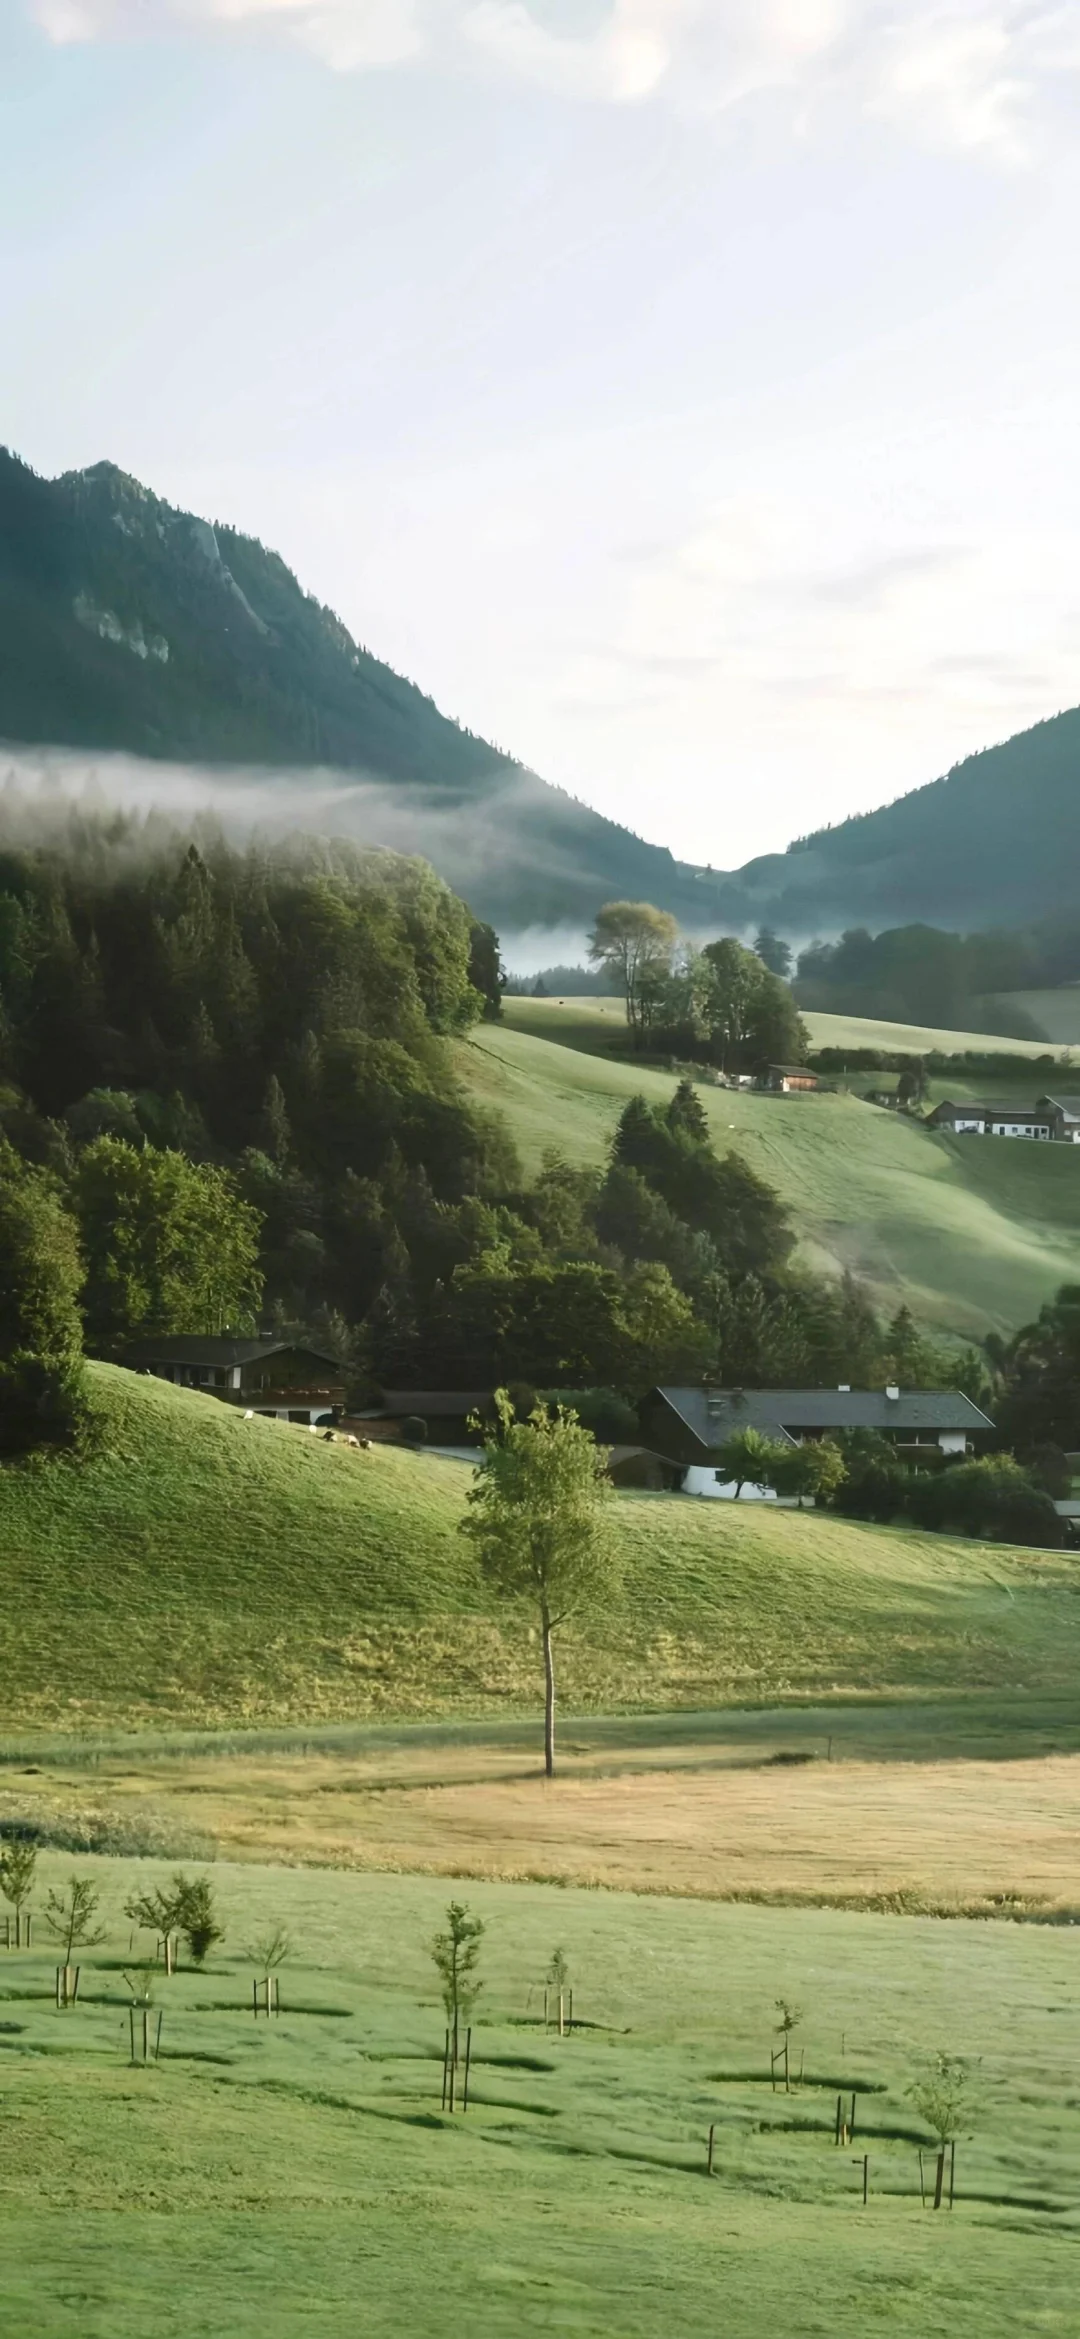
point(973, 1237)
point(196, 1568)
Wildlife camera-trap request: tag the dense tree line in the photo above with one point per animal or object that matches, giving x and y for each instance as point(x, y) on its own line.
point(920, 974)
point(227, 1099)
point(723, 1005)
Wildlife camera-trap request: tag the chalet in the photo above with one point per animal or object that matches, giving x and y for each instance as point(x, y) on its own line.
point(690, 1426)
point(788, 1080)
point(1063, 1112)
point(1005, 1120)
point(280, 1378)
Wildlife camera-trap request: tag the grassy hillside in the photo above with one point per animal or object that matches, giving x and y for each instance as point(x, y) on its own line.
point(202, 1569)
point(974, 1237)
point(267, 2179)
point(594, 1023)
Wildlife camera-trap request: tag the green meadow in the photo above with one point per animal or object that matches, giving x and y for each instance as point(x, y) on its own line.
point(973, 1236)
point(299, 2175)
point(199, 1569)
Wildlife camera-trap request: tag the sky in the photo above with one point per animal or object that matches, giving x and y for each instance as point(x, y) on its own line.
point(683, 392)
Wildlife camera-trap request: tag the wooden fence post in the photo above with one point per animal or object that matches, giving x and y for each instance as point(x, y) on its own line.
point(571, 2010)
point(952, 2174)
point(839, 2118)
point(939, 2177)
point(131, 2027)
point(712, 2133)
point(157, 2041)
point(445, 2069)
point(562, 2016)
point(922, 2180)
point(852, 2121)
point(468, 2060)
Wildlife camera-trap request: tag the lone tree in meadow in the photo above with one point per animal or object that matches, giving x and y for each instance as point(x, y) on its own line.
point(633, 942)
point(538, 1517)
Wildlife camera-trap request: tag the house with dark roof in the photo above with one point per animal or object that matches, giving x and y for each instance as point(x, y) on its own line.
point(691, 1426)
point(967, 1119)
point(281, 1378)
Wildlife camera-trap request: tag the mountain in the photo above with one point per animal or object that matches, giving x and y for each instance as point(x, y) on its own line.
point(128, 625)
point(994, 843)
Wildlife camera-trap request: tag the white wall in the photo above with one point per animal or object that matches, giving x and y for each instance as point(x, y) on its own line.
point(697, 1480)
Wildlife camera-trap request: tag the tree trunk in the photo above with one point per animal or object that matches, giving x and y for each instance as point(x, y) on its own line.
point(549, 1700)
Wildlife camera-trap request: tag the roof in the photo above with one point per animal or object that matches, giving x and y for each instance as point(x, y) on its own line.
point(712, 1414)
point(969, 1110)
point(193, 1348)
point(436, 1404)
point(795, 1071)
point(1069, 1105)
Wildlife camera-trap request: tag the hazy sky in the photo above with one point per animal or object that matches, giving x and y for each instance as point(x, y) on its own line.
point(684, 392)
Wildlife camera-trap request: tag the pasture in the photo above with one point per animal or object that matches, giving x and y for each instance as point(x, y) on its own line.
point(973, 1237)
point(199, 1570)
point(299, 2174)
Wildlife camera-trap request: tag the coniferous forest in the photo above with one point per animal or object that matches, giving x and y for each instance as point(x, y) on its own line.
point(228, 1078)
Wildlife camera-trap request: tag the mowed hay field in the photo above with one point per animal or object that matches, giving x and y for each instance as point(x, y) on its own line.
point(299, 2176)
point(974, 1236)
point(200, 1569)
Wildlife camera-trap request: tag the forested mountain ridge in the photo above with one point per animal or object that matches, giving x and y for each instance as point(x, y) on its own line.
point(993, 843)
point(128, 625)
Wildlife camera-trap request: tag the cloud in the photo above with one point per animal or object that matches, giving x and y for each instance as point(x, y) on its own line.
point(974, 76)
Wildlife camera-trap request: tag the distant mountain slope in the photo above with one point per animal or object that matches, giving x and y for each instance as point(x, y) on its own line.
point(125, 624)
point(993, 843)
point(128, 625)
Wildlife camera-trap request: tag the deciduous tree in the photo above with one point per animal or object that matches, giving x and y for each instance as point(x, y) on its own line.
point(634, 942)
point(538, 1517)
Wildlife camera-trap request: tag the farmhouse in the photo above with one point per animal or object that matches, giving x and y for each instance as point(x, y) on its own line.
point(788, 1079)
point(274, 1377)
point(690, 1426)
point(1007, 1120)
point(1063, 1112)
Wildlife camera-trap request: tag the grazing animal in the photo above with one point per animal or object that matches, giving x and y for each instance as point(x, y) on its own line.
point(249, 1416)
point(329, 1438)
point(351, 1441)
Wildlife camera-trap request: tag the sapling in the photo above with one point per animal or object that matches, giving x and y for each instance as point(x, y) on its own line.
point(159, 1912)
point(198, 1920)
point(184, 1905)
point(790, 2018)
point(18, 1864)
point(942, 2099)
point(71, 1918)
point(271, 1950)
point(557, 1981)
point(456, 1954)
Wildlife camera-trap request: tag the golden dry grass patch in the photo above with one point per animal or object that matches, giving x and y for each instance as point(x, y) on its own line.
point(945, 1833)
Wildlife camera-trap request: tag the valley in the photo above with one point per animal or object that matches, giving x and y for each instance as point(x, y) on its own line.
point(972, 1237)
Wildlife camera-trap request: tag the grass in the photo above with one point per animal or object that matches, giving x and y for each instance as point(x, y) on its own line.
point(201, 1570)
point(599, 1022)
point(973, 1237)
point(937, 1805)
point(274, 2178)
